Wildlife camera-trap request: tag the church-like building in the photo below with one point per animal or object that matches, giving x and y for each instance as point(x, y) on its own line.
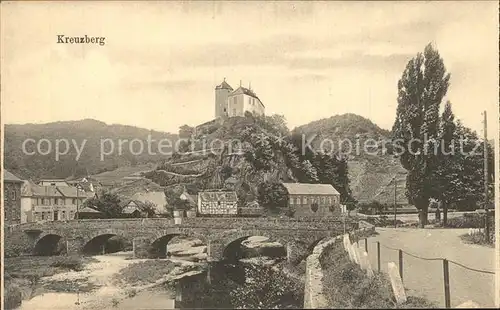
point(229, 102)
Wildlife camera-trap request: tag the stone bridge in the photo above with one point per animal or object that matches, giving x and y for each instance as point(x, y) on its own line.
point(150, 237)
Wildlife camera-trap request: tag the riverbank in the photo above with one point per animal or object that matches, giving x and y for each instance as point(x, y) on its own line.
point(105, 282)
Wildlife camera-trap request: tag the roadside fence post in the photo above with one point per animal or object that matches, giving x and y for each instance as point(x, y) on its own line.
point(378, 255)
point(401, 264)
point(446, 274)
point(366, 245)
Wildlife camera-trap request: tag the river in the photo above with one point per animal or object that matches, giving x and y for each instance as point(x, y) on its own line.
point(245, 283)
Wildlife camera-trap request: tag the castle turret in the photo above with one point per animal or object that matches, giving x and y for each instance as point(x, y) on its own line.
point(222, 91)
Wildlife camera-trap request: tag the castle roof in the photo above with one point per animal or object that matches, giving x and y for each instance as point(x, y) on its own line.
point(243, 90)
point(224, 85)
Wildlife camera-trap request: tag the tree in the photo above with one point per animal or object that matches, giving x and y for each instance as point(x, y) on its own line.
point(149, 208)
point(107, 203)
point(272, 195)
point(446, 173)
point(174, 199)
point(265, 288)
point(421, 89)
point(333, 170)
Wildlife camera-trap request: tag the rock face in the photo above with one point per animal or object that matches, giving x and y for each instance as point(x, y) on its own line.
point(261, 246)
point(252, 247)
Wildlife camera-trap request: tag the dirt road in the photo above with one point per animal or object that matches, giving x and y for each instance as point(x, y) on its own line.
point(425, 278)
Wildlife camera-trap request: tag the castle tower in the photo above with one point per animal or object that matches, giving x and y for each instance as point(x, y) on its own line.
point(221, 93)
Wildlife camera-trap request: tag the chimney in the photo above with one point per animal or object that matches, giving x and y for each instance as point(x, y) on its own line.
point(250, 85)
point(240, 83)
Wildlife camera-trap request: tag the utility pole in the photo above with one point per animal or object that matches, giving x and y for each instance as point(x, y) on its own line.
point(77, 200)
point(486, 186)
point(395, 189)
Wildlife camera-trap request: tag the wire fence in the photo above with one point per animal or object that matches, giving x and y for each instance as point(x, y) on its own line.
point(445, 262)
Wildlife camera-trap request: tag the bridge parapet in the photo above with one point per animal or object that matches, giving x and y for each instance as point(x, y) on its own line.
point(199, 222)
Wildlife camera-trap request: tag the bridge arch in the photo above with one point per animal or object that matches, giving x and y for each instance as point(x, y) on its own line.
point(160, 241)
point(232, 247)
point(97, 243)
point(49, 243)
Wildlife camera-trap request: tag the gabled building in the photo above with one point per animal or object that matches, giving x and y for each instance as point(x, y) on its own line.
point(217, 202)
point(51, 203)
point(229, 102)
point(133, 208)
point(313, 200)
point(11, 198)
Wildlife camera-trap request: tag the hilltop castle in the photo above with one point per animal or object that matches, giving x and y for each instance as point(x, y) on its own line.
point(229, 102)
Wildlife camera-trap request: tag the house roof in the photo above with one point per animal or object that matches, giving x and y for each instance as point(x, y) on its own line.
point(9, 177)
point(30, 189)
point(310, 189)
point(45, 191)
point(224, 85)
point(88, 210)
point(218, 195)
point(157, 198)
point(243, 90)
point(131, 205)
point(73, 192)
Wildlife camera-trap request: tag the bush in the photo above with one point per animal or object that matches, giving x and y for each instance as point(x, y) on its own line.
point(469, 220)
point(479, 238)
point(71, 263)
point(13, 296)
point(345, 285)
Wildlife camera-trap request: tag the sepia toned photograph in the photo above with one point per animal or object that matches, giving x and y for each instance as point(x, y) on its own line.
point(249, 154)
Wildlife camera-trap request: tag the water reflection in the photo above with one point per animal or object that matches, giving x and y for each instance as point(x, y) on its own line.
point(238, 285)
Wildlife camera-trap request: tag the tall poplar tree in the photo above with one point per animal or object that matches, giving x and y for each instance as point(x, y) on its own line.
point(421, 89)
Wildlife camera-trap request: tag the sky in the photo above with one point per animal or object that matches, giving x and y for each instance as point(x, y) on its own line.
point(305, 60)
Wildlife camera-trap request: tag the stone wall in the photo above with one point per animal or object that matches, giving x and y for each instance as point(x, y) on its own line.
point(313, 287)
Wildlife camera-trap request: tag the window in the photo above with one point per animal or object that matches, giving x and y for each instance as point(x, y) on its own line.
point(234, 111)
point(314, 207)
point(305, 199)
point(43, 216)
point(74, 201)
point(14, 194)
point(63, 215)
point(322, 199)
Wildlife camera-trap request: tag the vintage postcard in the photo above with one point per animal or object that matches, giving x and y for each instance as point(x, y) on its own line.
point(249, 154)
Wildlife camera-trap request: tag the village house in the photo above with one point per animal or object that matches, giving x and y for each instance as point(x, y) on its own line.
point(49, 202)
point(217, 202)
point(133, 208)
point(313, 200)
point(229, 102)
point(11, 198)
